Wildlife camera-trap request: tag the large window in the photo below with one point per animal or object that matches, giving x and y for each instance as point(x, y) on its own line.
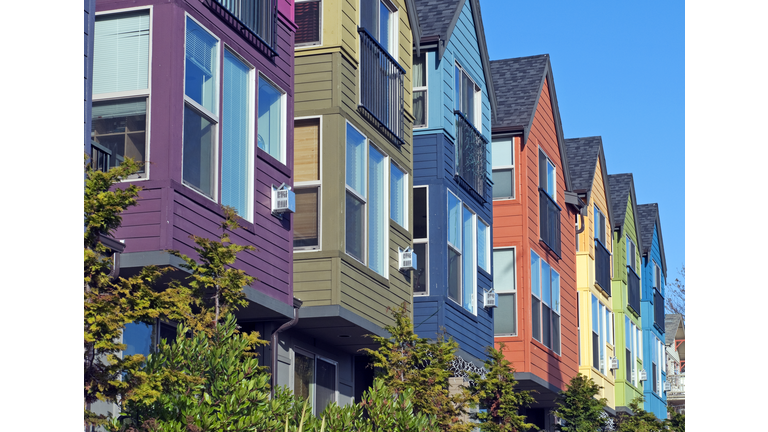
point(271, 119)
point(308, 15)
point(420, 100)
point(306, 163)
point(121, 89)
point(505, 284)
point(378, 18)
point(366, 201)
point(634, 346)
point(462, 257)
point(421, 240)
point(602, 335)
point(314, 379)
point(545, 290)
point(503, 157)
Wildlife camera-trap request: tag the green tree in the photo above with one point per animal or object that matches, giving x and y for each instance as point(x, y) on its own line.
point(407, 361)
point(111, 304)
point(676, 421)
point(641, 421)
point(496, 393)
point(579, 406)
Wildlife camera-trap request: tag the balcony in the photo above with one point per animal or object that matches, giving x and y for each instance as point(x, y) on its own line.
point(677, 393)
point(633, 286)
point(603, 267)
point(101, 157)
point(658, 310)
point(382, 88)
point(549, 221)
point(470, 156)
point(253, 19)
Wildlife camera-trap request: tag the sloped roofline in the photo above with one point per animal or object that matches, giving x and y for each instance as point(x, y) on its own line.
point(657, 224)
point(633, 200)
point(606, 186)
point(414, 19)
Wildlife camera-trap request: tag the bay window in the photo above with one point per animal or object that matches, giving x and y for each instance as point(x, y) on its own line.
point(545, 298)
point(121, 89)
point(505, 285)
point(306, 163)
point(421, 239)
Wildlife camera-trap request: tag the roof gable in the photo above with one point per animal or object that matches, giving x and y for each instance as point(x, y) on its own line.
point(672, 322)
point(622, 188)
point(583, 156)
point(648, 214)
point(437, 19)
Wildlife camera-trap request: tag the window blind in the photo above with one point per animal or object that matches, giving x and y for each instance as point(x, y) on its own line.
point(121, 52)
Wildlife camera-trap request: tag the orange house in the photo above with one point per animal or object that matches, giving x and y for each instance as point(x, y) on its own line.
point(535, 222)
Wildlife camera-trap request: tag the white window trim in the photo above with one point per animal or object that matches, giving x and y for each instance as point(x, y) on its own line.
point(488, 249)
point(551, 306)
point(406, 180)
point(203, 111)
point(554, 186)
point(656, 272)
point(425, 89)
point(477, 122)
point(313, 386)
point(387, 198)
point(513, 291)
point(315, 184)
point(393, 31)
point(136, 93)
point(283, 119)
point(506, 167)
point(354, 193)
point(320, 25)
point(473, 264)
point(424, 241)
point(456, 249)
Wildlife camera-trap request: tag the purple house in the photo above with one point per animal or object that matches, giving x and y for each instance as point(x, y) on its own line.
point(202, 92)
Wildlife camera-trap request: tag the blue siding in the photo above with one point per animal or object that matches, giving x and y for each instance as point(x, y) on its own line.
point(654, 403)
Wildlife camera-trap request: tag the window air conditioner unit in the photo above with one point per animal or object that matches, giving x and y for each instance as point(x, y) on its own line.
point(490, 299)
point(614, 363)
point(407, 259)
point(283, 200)
point(667, 386)
point(642, 375)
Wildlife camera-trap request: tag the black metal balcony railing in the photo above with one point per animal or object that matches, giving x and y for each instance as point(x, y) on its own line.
point(658, 310)
point(470, 154)
point(603, 267)
point(633, 286)
point(100, 157)
point(382, 88)
point(549, 221)
point(257, 17)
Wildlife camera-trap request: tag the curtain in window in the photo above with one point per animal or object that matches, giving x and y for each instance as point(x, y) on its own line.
point(377, 234)
point(468, 257)
point(397, 195)
point(236, 154)
point(419, 69)
point(121, 52)
point(200, 66)
point(270, 119)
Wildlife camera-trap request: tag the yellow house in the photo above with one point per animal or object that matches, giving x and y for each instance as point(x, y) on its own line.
point(597, 357)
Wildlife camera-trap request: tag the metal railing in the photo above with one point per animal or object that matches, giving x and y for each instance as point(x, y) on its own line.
point(470, 154)
point(382, 88)
point(633, 286)
point(658, 309)
point(677, 382)
point(602, 267)
point(549, 221)
point(257, 16)
point(101, 157)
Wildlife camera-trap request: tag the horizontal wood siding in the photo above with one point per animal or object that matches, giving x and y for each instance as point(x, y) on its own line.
point(313, 281)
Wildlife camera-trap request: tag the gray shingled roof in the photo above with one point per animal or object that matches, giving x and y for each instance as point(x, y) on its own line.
point(435, 16)
point(622, 187)
point(648, 215)
point(518, 82)
point(583, 154)
point(671, 323)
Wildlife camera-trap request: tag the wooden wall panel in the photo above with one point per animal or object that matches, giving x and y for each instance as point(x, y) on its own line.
point(307, 149)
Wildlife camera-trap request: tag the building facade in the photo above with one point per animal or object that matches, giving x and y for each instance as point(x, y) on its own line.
point(534, 233)
point(453, 104)
point(675, 357)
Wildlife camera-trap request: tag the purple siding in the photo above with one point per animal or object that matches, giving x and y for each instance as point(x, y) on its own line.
point(169, 212)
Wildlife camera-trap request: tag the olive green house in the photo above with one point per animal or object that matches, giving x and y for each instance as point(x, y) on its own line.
point(353, 184)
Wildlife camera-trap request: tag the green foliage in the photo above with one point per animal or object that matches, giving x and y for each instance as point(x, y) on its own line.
point(496, 392)
point(579, 406)
point(642, 421)
point(676, 421)
point(217, 287)
point(111, 304)
point(408, 362)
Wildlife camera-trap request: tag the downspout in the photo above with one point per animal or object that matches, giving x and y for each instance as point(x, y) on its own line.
point(582, 212)
point(296, 305)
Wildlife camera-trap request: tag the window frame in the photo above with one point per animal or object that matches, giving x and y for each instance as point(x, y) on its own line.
point(423, 240)
point(425, 89)
point(656, 281)
point(505, 167)
point(552, 195)
point(477, 97)
point(313, 184)
point(598, 216)
point(393, 32)
point(283, 159)
point(473, 264)
point(406, 180)
point(385, 203)
point(551, 306)
point(313, 384)
point(513, 291)
point(319, 43)
point(115, 96)
point(456, 248)
point(488, 249)
point(633, 262)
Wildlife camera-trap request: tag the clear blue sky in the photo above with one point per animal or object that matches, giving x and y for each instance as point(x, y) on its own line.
point(619, 70)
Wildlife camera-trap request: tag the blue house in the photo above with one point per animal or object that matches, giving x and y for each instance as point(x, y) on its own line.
point(453, 101)
point(652, 309)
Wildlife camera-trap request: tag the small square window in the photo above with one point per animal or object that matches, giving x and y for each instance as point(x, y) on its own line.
point(308, 21)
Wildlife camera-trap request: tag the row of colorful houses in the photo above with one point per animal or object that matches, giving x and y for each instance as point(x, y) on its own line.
point(378, 157)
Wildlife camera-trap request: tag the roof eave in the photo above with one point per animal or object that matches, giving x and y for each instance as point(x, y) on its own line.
point(415, 27)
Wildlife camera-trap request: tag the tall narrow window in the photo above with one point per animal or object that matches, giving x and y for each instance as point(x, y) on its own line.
point(600, 226)
point(547, 178)
point(596, 359)
point(505, 284)
point(628, 343)
point(120, 64)
point(631, 255)
point(545, 287)
point(421, 240)
point(546, 302)
point(200, 109)
point(398, 184)
point(483, 245)
point(236, 151)
point(306, 163)
point(467, 97)
point(377, 17)
point(420, 90)
point(601, 341)
point(377, 216)
point(503, 157)
point(469, 268)
point(271, 137)
point(356, 194)
point(454, 248)
point(536, 295)
point(308, 20)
